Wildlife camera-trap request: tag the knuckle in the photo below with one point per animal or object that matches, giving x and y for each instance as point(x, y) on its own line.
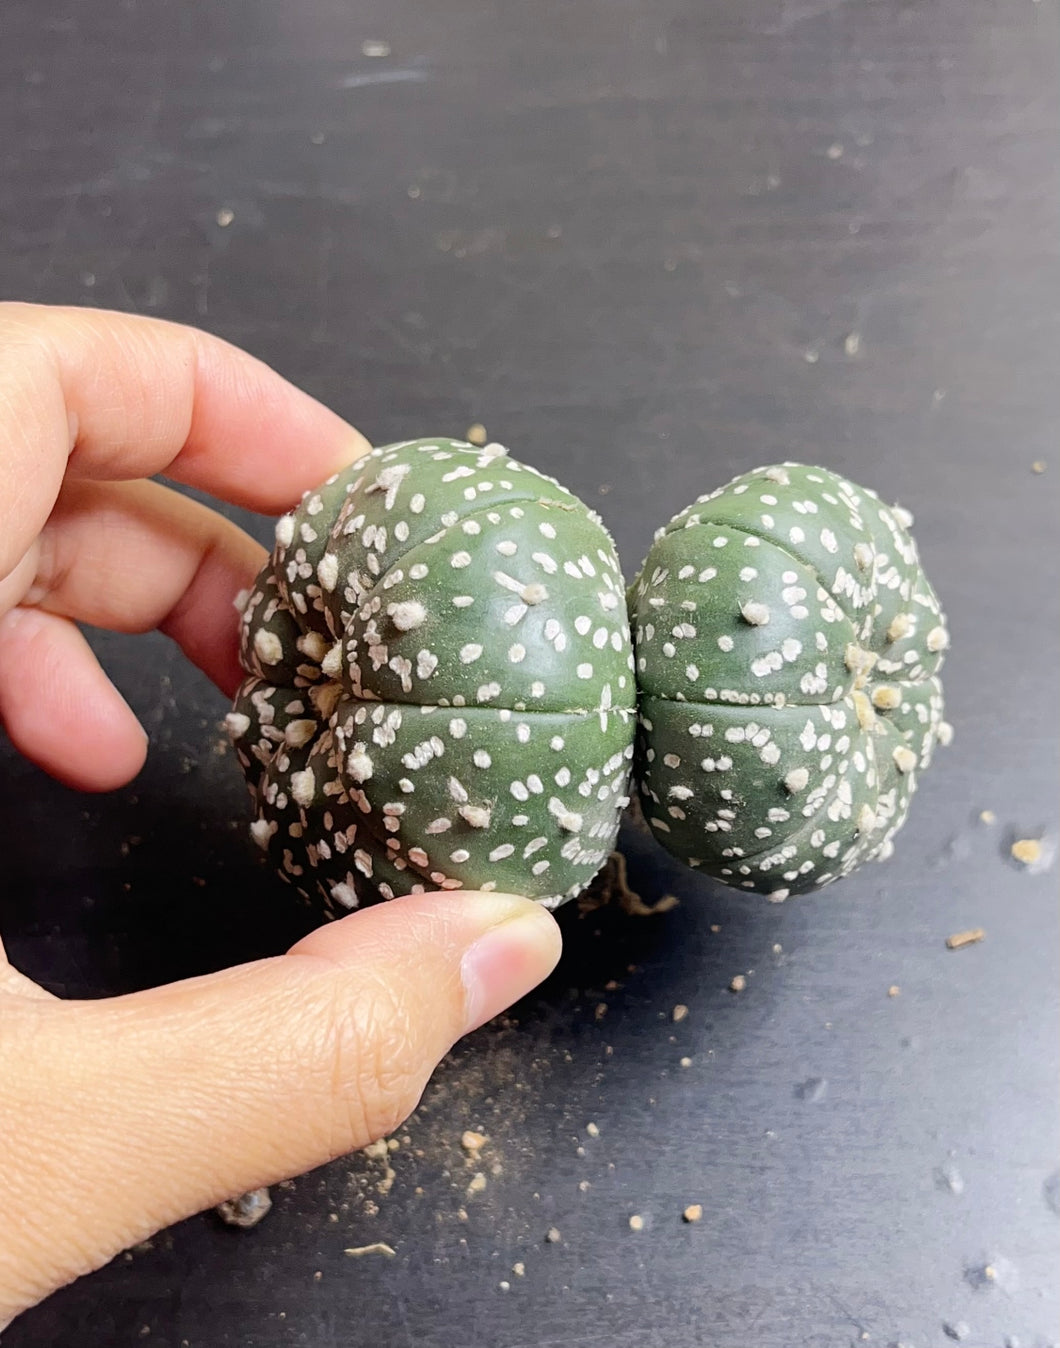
point(372, 1064)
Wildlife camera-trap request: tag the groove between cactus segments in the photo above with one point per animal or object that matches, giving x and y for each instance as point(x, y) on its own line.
point(441, 689)
point(788, 647)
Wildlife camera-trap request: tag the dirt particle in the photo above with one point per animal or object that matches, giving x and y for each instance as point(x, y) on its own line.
point(737, 984)
point(679, 1013)
point(376, 1247)
point(600, 1010)
point(1038, 466)
point(224, 217)
point(375, 48)
point(987, 817)
point(685, 1062)
point(519, 1269)
point(1027, 851)
point(473, 1142)
point(478, 1183)
point(956, 1329)
point(715, 928)
point(552, 1235)
point(693, 1213)
point(247, 1210)
point(894, 990)
point(960, 939)
point(592, 1130)
point(377, 1151)
point(852, 344)
point(636, 1222)
point(476, 434)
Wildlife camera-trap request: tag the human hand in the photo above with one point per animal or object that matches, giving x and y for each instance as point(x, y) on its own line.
point(119, 1117)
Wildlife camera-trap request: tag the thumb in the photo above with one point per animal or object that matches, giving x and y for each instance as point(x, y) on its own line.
point(122, 1116)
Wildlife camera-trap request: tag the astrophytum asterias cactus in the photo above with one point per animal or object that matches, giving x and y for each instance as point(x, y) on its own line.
point(440, 687)
point(788, 646)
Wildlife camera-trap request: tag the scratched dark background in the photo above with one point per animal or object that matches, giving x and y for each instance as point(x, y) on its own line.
point(649, 245)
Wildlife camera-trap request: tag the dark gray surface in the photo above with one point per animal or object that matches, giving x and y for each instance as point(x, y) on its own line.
point(618, 234)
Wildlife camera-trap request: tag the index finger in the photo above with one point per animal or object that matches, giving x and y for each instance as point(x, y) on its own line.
point(107, 395)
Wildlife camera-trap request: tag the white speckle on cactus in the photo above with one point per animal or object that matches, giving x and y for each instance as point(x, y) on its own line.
point(863, 556)
point(778, 475)
point(303, 787)
point(584, 671)
point(313, 645)
point(268, 647)
point(725, 642)
point(901, 626)
point(261, 830)
point(905, 760)
point(886, 697)
point(499, 853)
point(300, 732)
point(359, 765)
point(755, 613)
point(866, 820)
point(331, 665)
point(863, 709)
point(534, 593)
point(237, 724)
point(903, 516)
point(475, 816)
point(407, 615)
point(945, 734)
point(797, 780)
point(459, 560)
point(937, 640)
point(328, 571)
point(457, 791)
point(470, 653)
point(285, 531)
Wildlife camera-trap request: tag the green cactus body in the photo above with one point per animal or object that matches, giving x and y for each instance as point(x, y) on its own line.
point(788, 647)
point(440, 688)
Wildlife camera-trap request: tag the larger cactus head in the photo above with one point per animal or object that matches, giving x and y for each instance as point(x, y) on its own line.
point(788, 647)
point(440, 686)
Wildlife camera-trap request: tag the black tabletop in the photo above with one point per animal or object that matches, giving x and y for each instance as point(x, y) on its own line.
point(649, 246)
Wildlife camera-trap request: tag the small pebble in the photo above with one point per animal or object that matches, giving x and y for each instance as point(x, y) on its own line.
point(693, 1212)
point(473, 1142)
point(247, 1210)
point(894, 990)
point(225, 217)
point(852, 343)
point(636, 1222)
point(476, 434)
point(679, 1013)
point(592, 1130)
point(987, 817)
point(958, 1329)
point(1027, 851)
point(686, 1062)
point(505, 1285)
point(519, 1270)
point(1038, 466)
point(962, 938)
point(552, 1235)
point(478, 1183)
point(738, 983)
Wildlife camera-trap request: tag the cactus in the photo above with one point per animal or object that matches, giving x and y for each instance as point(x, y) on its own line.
point(787, 647)
point(440, 688)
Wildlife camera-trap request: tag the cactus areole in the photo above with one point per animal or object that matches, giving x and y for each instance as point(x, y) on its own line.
point(787, 646)
point(440, 690)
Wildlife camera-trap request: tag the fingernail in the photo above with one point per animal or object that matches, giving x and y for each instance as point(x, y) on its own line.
point(509, 959)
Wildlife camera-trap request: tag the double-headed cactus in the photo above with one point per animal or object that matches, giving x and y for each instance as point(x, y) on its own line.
point(440, 687)
point(787, 646)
